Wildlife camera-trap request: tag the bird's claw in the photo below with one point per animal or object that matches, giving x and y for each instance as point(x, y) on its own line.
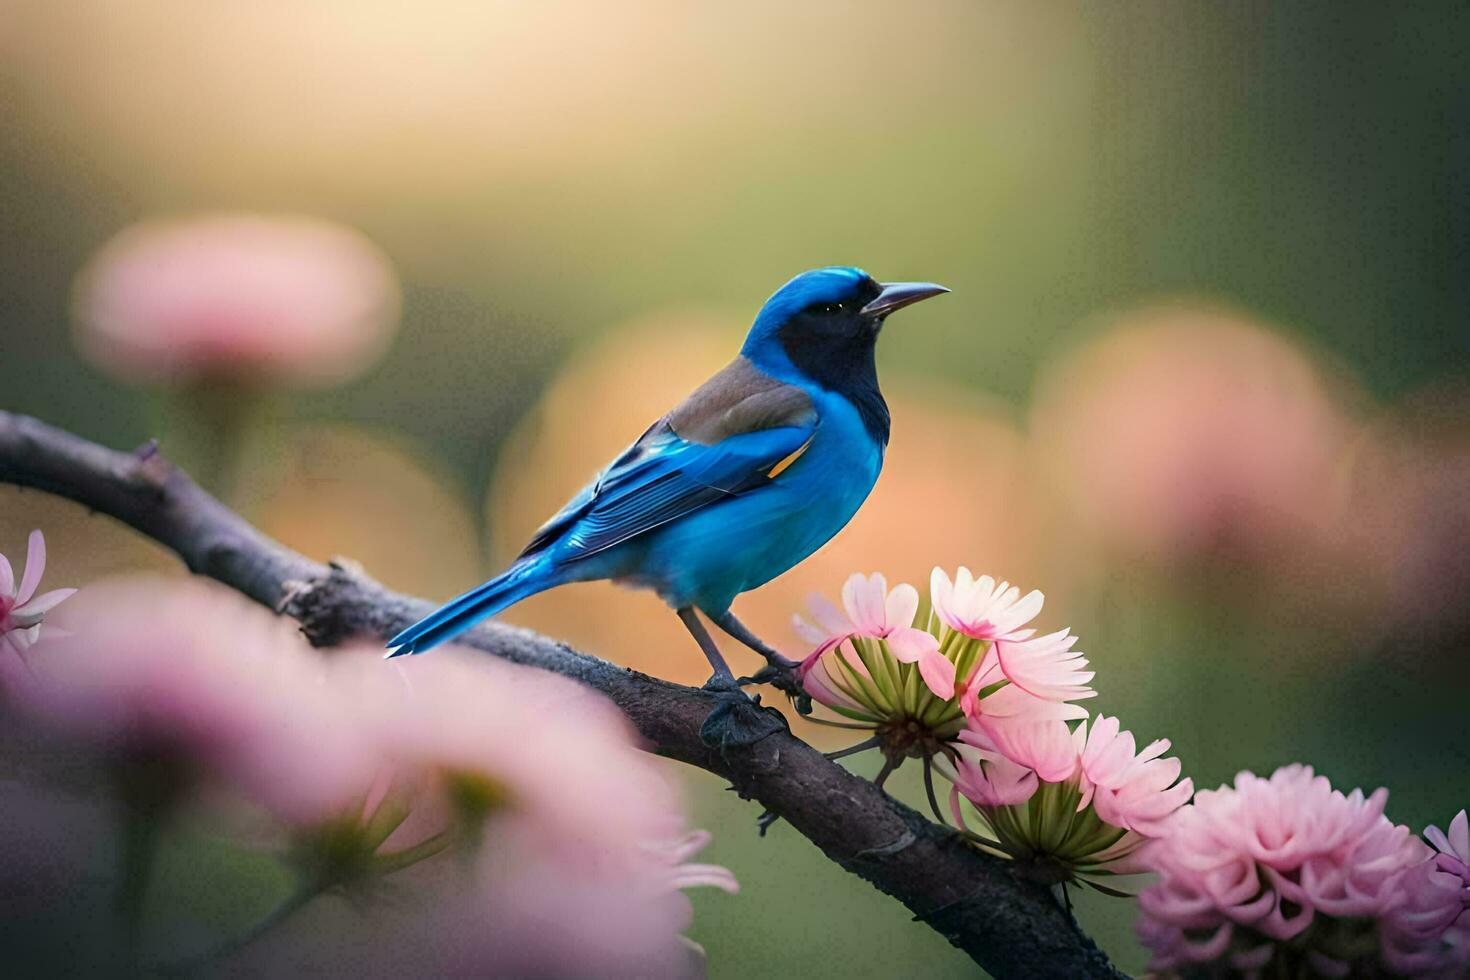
point(784, 678)
point(738, 720)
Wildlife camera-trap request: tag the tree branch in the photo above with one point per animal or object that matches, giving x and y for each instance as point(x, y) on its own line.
point(1011, 927)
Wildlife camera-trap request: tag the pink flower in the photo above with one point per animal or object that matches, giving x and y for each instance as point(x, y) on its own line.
point(981, 608)
point(239, 296)
point(1066, 800)
point(559, 825)
point(218, 691)
point(571, 830)
point(1248, 866)
point(870, 609)
point(463, 714)
point(1044, 668)
point(21, 609)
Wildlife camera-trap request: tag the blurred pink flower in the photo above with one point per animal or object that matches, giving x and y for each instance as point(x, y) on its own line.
point(574, 831)
point(687, 875)
point(872, 610)
point(462, 713)
point(236, 296)
point(1452, 850)
point(1408, 515)
point(1276, 861)
point(219, 691)
point(563, 827)
point(1199, 433)
point(22, 610)
point(981, 608)
point(1434, 930)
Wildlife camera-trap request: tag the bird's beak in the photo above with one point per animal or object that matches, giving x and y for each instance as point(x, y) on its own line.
point(897, 295)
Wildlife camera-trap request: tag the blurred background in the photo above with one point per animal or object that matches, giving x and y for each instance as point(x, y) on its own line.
point(410, 275)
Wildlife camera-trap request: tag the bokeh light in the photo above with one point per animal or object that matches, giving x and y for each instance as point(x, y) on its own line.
point(243, 298)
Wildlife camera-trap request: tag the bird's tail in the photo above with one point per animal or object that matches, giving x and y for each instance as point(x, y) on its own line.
point(524, 578)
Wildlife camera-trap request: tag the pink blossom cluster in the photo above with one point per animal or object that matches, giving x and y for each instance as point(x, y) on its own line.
point(366, 767)
point(1286, 875)
point(993, 699)
point(967, 658)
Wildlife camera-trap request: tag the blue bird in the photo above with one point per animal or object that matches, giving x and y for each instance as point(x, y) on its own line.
point(753, 472)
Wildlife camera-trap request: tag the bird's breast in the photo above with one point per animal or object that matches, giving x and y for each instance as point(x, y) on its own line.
point(823, 485)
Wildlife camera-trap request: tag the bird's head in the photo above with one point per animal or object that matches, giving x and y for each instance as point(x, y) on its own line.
point(824, 324)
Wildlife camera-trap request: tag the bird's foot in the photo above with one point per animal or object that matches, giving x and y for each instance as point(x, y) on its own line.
point(738, 720)
point(781, 674)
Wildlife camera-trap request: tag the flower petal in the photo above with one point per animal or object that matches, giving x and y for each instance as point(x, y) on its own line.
point(901, 606)
point(938, 672)
point(863, 598)
point(43, 603)
point(35, 565)
point(832, 621)
point(909, 645)
point(1460, 836)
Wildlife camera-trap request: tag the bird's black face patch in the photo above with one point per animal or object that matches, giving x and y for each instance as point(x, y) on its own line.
point(832, 343)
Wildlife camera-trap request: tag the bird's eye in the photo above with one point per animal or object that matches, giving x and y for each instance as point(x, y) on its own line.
point(826, 308)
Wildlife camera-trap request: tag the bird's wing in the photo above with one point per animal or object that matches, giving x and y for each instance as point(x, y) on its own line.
point(725, 439)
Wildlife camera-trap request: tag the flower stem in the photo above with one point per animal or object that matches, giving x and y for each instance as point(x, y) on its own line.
point(140, 833)
point(929, 792)
point(208, 427)
point(889, 764)
point(424, 849)
point(288, 907)
point(838, 724)
point(862, 746)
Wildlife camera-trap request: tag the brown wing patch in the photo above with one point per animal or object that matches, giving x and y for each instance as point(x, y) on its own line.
point(739, 399)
